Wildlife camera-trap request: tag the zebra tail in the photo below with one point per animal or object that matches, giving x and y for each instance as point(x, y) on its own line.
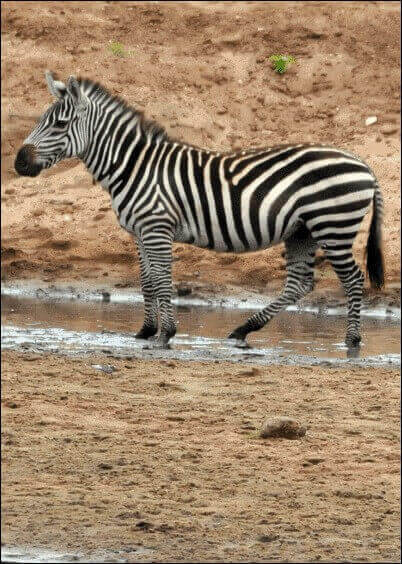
point(375, 258)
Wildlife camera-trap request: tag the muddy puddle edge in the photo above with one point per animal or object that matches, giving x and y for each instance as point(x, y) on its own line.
point(378, 308)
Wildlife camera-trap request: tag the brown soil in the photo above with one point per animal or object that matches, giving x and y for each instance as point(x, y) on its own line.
point(166, 455)
point(201, 69)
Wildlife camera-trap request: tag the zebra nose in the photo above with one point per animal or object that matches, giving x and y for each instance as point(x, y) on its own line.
point(25, 161)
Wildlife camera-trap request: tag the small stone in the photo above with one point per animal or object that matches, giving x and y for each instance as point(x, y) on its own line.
point(282, 427)
point(11, 404)
point(371, 120)
point(231, 39)
point(108, 368)
point(267, 538)
point(388, 129)
point(61, 244)
point(103, 466)
point(143, 525)
point(315, 460)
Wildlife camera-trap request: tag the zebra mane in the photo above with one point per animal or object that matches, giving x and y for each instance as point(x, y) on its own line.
point(150, 128)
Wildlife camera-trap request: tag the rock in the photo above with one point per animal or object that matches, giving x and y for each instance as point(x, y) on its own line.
point(231, 39)
point(143, 525)
point(103, 466)
point(370, 120)
point(388, 129)
point(11, 404)
point(254, 371)
point(282, 427)
point(60, 244)
point(267, 538)
point(315, 35)
point(315, 460)
point(108, 368)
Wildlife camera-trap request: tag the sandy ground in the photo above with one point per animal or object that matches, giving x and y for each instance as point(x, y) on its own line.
point(201, 69)
point(165, 455)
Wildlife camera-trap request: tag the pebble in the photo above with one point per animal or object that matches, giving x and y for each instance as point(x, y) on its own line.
point(371, 120)
point(267, 538)
point(388, 129)
point(61, 244)
point(285, 427)
point(315, 460)
point(11, 404)
point(108, 368)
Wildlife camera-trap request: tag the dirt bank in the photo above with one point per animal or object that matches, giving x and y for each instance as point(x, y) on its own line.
point(165, 456)
point(201, 69)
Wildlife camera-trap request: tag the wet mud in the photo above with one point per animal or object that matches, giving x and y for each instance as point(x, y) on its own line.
point(292, 337)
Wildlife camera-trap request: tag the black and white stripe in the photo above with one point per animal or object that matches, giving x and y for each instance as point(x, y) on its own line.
point(307, 195)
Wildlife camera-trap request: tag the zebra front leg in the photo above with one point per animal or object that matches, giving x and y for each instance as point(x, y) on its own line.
point(150, 325)
point(299, 282)
point(158, 249)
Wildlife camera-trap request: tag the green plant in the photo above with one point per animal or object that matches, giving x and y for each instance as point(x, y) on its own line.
point(117, 49)
point(281, 62)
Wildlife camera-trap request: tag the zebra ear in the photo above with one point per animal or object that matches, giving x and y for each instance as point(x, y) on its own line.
point(56, 87)
point(78, 97)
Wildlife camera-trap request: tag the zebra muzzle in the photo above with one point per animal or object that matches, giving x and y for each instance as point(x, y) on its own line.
point(25, 163)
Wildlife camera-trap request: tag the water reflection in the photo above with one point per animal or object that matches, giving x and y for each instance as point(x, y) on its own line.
point(290, 332)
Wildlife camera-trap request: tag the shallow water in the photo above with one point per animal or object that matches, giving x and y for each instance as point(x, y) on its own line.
point(291, 337)
point(36, 555)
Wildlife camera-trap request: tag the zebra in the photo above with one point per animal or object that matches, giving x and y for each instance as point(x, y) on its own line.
point(307, 195)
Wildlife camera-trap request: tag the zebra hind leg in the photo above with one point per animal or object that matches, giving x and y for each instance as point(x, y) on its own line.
point(300, 252)
point(352, 278)
point(150, 325)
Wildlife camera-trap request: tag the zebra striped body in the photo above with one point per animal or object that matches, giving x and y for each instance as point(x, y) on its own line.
point(248, 203)
point(308, 195)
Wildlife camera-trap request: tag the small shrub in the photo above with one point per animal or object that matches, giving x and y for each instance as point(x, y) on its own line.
point(117, 49)
point(281, 62)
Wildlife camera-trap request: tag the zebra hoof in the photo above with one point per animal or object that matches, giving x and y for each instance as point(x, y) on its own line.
point(353, 341)
point(146, 333)
point(353, 352)
point(238, 334)
point(239, 342)
point(242, 344)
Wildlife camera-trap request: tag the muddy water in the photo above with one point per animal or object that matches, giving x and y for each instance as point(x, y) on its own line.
point(292, 337)
point(30, 555)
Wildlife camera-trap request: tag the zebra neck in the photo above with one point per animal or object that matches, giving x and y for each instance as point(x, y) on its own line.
point(115, 142)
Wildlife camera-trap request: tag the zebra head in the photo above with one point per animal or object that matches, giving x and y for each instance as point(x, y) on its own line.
point(61, 131)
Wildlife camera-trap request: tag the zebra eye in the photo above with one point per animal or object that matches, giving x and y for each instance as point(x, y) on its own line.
point(60, 124)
